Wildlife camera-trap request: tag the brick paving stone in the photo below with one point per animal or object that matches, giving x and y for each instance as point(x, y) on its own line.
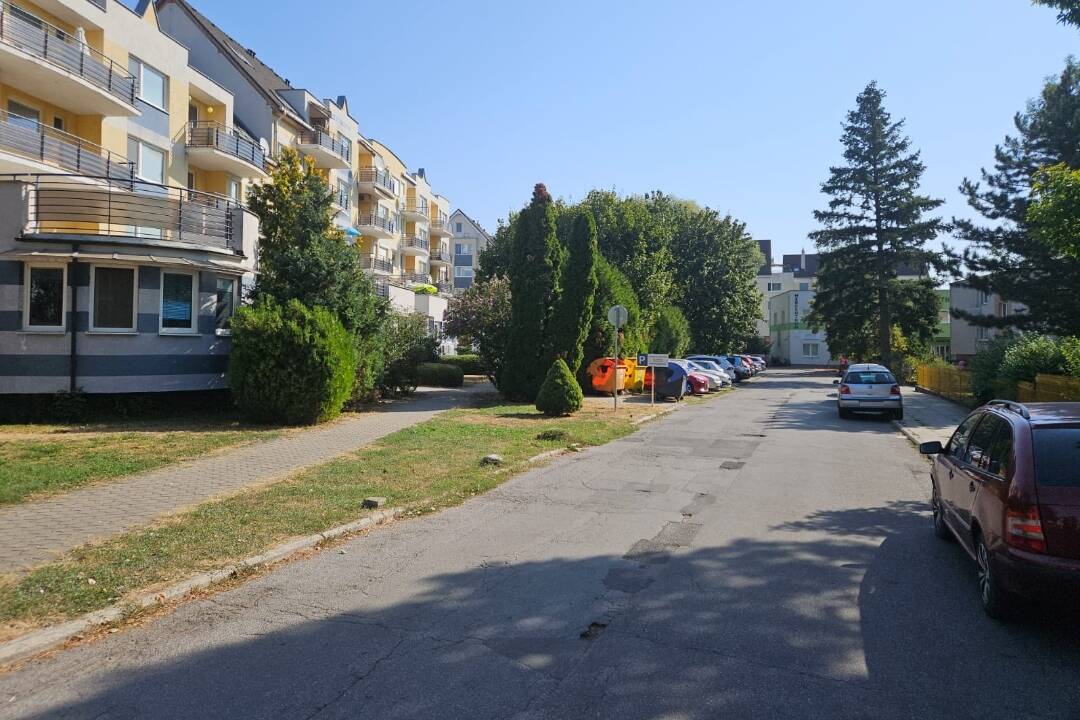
point(35, 532)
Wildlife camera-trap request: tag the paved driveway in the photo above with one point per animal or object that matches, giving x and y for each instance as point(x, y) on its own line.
point(749, 557)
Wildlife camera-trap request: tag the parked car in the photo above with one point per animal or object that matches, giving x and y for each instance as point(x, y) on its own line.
point(714, 379)
point(762, 360)
point(869, 388)
point(740, 363)
point(712, 367)
point(671, 381)
point(724, 364)
point(1007, 487)
point(758, 365)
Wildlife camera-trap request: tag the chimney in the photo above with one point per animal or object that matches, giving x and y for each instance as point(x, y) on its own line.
point(420, 172)
point(802, 260)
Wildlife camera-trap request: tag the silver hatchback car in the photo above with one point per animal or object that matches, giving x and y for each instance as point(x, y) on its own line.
point(867, 387)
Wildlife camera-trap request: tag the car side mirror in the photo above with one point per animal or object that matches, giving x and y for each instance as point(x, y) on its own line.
point(835, 382)
point(930, 448)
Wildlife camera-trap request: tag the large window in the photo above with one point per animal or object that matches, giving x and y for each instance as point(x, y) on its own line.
point(810, 350)
point(113, 303)
point(462, 271)
point(178, 303)
point(44, 299)
point(462, 249)
point(153, 86)
point(225, 303)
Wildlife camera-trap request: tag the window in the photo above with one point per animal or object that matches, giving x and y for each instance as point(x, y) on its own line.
point(990, 445)
point(225, 302)
point(462, 249)
point(457, 227)
point(810, 350)
point(775, 287)
point(153, 86)
point(1057, 456)
point(23, 116)
point(44, 298)
point(804, 286)
point(982, 333)
point(870, 378)
point(178, 303)
point(984, 297)
point(958, 444)
point(234, 190)
point(58, 123)
point(149, 161)
point(463, 272)
point(112, 290)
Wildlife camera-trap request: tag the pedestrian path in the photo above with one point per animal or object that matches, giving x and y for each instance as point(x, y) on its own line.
point(37, 531)
point(928, 417)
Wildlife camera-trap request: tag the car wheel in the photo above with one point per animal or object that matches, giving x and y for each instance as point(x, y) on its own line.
point(844, 413)
point(898, 414)
point(940, 528)
point(995, 600)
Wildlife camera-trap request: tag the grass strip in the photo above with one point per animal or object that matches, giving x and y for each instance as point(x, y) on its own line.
point(32, 468)
point(429, 466)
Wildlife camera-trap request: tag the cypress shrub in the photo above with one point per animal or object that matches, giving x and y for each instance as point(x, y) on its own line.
point(560, 393)
point(573, 313)
point(290, 364)
point(440, 375)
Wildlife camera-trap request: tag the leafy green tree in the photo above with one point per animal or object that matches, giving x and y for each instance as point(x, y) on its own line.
point(1068, 10)
point(560, 393)
point(875, 224)
point(1004, 256)
point(574, 310)
point(294, 208)
point(716, 264)
point(482, 314)
point(494, 259)
point(535, 265)
point(612, 288)
point(1053, 217)
point(671, 332)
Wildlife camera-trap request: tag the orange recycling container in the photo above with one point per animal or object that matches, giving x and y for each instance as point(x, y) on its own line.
point(607, 377)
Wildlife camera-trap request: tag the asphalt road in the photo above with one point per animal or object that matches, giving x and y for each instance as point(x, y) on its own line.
point(749, 557)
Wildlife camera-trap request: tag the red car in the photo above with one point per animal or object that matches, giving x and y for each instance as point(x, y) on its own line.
point(1007, 487)
point(697, 384)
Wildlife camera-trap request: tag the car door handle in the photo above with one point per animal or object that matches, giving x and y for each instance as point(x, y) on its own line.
point(971, 486)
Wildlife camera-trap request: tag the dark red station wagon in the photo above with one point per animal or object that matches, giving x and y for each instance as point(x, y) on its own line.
point(1007, 486)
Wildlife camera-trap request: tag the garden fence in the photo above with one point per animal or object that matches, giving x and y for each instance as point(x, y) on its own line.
point(945, 380)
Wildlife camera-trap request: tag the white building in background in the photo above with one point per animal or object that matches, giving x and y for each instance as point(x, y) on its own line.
point(793, 341)
point(469, 239)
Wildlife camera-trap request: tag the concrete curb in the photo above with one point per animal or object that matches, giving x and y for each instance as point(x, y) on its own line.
point(906, 432)
point(39, 641)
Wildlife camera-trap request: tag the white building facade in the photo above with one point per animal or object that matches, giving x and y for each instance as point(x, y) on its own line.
point(793, 341)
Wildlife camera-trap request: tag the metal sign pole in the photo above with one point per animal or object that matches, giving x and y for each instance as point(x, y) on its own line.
point(615, 387)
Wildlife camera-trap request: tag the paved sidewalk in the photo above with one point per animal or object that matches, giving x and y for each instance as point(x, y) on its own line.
point(35, 532)
point(928, 417)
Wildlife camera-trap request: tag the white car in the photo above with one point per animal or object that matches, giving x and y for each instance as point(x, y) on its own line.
point(867, 387)
point(708, 366)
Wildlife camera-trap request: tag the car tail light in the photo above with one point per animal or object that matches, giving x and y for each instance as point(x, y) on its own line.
point(1023, 529)
point(845, 390)
point(895, 390)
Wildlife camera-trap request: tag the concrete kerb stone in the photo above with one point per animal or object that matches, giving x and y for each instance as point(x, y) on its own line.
point(39, 641)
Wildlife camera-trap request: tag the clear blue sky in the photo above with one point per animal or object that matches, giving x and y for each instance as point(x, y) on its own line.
point(737, 105)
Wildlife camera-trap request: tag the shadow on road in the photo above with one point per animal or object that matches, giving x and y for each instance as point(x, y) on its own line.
point(853, 613)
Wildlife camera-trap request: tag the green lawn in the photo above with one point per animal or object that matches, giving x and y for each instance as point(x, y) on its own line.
point(36, 461)
point(426, 467)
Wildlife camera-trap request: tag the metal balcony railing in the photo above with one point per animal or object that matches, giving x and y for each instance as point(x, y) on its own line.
point(415, 277)
point(328, 141)
point(23, 31)
point(415, 241)
point(30, 139)
point(440, 225)
point(340, 196)
point(374, 176)
point(206, 134)
point(380, 264)
point(441, 254)
point(78, 205)
point(372, 220)
point(382, 287)
point(419, 207)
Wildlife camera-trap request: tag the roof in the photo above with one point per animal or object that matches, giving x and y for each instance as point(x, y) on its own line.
point(478, 226)
point(262, 75)
point(793, 264)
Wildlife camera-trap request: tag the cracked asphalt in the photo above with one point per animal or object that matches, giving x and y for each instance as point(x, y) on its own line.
point(753, 556)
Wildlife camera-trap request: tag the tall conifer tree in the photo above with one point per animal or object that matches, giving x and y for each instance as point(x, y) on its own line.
point(574, 310)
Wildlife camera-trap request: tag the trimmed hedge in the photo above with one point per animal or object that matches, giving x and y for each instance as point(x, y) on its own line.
point(469, 364)
point(290, 364)
point(440, 375)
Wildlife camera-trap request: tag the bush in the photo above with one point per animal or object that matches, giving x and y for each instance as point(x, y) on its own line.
point(290, 364)
point(560, 393)
point(1070, 348)
point(469, 364)
point(425, 289)
point(986, 366)
point(1030, 355)
point(671, 332)
point(440, 375)
point(407, 345)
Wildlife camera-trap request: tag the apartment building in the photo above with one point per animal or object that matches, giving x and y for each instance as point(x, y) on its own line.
point(966, 339)
point(795, 272)
point(391, 212)
point(469, 240)
point(793, 341)
point(123, 246)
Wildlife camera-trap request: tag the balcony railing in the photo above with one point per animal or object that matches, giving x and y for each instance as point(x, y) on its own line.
point(145, 212)
point(205, 134)
point(441, 254)
point(445, 286)
point(440, 225)
point(328, 141)
point(340, 196)
point(382, 287)
point(374, 176)
point(418, 207)
point(372, 220)
point(376, 263)
point(415, 277)
point(415, 241)
point(30, 139)
point(23, 31)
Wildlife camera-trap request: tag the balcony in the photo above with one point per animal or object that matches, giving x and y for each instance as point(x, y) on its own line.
point(415, 278)
point(416, 210)
point(373, 181)
point(60, 69)
point(440, 228)
point(414, 245)
point(382, 287)
point(212, 146)
point(445, 287)
point(27, 146)
point(441, 256)
point(75, 208)
point(377, 264)
point(376, 226)
point(325, 149)
point(339, 198)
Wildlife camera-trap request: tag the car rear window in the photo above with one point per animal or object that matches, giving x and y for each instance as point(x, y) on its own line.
point(1057, 456)
point(870, 378)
